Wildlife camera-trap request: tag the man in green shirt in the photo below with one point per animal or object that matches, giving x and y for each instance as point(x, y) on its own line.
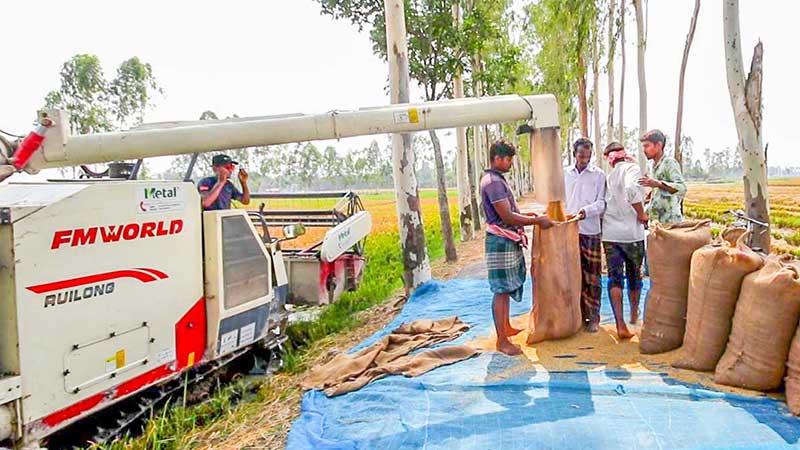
point(667, 184)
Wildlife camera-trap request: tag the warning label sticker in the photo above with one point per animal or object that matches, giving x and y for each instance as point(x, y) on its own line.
point(409, 116)
point(161, 199)
point(228, 341)
point(247, 333)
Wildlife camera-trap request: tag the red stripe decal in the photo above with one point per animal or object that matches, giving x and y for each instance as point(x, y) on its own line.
point(144, 277)
point(161, 275)
point(73, 410)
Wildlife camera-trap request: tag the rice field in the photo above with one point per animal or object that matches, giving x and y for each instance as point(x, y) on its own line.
point(713, 200)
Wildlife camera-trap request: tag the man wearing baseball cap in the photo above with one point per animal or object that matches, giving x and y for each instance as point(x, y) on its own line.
point(218, 191)
point(667, 184)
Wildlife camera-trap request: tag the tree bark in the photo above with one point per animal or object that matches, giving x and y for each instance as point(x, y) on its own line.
point(416, 266)
point(621, 135)
point(612, 43)
point(746, 102)
point(640, 25)
point(444, 204)
point(679, 120)
point(596, 96)
point(462, 160)
point(481, 151)
point(474, 179)
point(582, 101)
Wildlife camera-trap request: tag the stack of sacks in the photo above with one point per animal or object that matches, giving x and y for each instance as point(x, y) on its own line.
point(714, 284)
point(765, 320)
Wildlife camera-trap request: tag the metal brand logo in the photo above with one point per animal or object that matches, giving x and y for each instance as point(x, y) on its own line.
point(160, 193)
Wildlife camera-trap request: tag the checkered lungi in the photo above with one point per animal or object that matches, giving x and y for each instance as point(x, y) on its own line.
point(506, 265)
point(591, 289)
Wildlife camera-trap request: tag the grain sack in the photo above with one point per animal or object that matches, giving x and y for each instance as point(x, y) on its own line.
point(556, 269)
point(793, 375)
point(716, 277)
point(732, 234)
point(669, 257)
point(763, 326)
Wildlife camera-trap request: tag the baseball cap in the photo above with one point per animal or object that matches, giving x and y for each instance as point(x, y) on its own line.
point(221, 160)
point(654, 136)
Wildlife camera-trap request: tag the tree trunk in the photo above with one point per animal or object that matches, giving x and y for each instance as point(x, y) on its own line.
point(640, 25)
point(612, 42)
point(582, 103)
point(444, 204)
point(596, 95)
point(689, 37)
point(416, 266)
point(621, 135)
point(746, 102)
point(462, 160)
point(474, 179)
point(481, 151)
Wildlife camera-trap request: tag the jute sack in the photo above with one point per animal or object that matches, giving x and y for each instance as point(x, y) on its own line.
point(556, 269)
point(763, 326)
point(669, 257)
point(714, 282)
point(732, 234)
point(793, 375)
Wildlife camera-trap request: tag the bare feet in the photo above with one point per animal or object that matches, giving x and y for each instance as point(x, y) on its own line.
point(508, 348)
point(591, 327)
point(634, 317)
point(623, 333)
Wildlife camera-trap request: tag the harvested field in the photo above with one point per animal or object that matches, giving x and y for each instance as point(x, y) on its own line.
point(713, 200)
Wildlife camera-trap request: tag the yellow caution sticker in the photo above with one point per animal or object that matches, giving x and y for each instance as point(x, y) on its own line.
point(120, 358)
point(413, 115)
point(190, 360)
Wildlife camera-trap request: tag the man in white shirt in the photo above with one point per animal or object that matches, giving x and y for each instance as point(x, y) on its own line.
point(623, 233)
point(586, 192)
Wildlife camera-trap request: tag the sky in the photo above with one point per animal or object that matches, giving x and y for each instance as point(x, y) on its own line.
point(281, 56)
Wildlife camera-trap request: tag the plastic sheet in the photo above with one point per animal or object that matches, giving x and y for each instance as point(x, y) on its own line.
point(487, 403)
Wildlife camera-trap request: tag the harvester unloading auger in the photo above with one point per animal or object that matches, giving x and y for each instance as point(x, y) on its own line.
point(108, 289)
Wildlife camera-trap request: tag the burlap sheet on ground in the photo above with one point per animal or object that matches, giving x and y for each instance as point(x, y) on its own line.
point(390, 356)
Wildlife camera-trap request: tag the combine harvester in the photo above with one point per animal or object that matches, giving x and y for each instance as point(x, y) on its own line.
point(114, 288)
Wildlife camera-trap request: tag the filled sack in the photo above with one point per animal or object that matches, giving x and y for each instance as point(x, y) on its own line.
point(793, 375)
point(764, 323)
point(717, 271)
point(669, 258)
point(556, 270)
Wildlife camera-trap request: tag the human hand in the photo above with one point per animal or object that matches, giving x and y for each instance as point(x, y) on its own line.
point(649, 182)
point(643, 218)
point(544, 222)
point(243, 176)
point(531, 214)
point(223, 174)
point(581, 214)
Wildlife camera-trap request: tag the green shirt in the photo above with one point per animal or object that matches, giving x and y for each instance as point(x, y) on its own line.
point(665, 207)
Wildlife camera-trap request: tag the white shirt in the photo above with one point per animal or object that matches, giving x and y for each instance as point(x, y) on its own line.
point(586, 191)
point(620, 223)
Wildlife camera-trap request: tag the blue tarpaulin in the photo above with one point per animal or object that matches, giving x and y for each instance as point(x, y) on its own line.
point(467, 406)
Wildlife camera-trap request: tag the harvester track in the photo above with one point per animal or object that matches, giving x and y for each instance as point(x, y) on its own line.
point(129, 415)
